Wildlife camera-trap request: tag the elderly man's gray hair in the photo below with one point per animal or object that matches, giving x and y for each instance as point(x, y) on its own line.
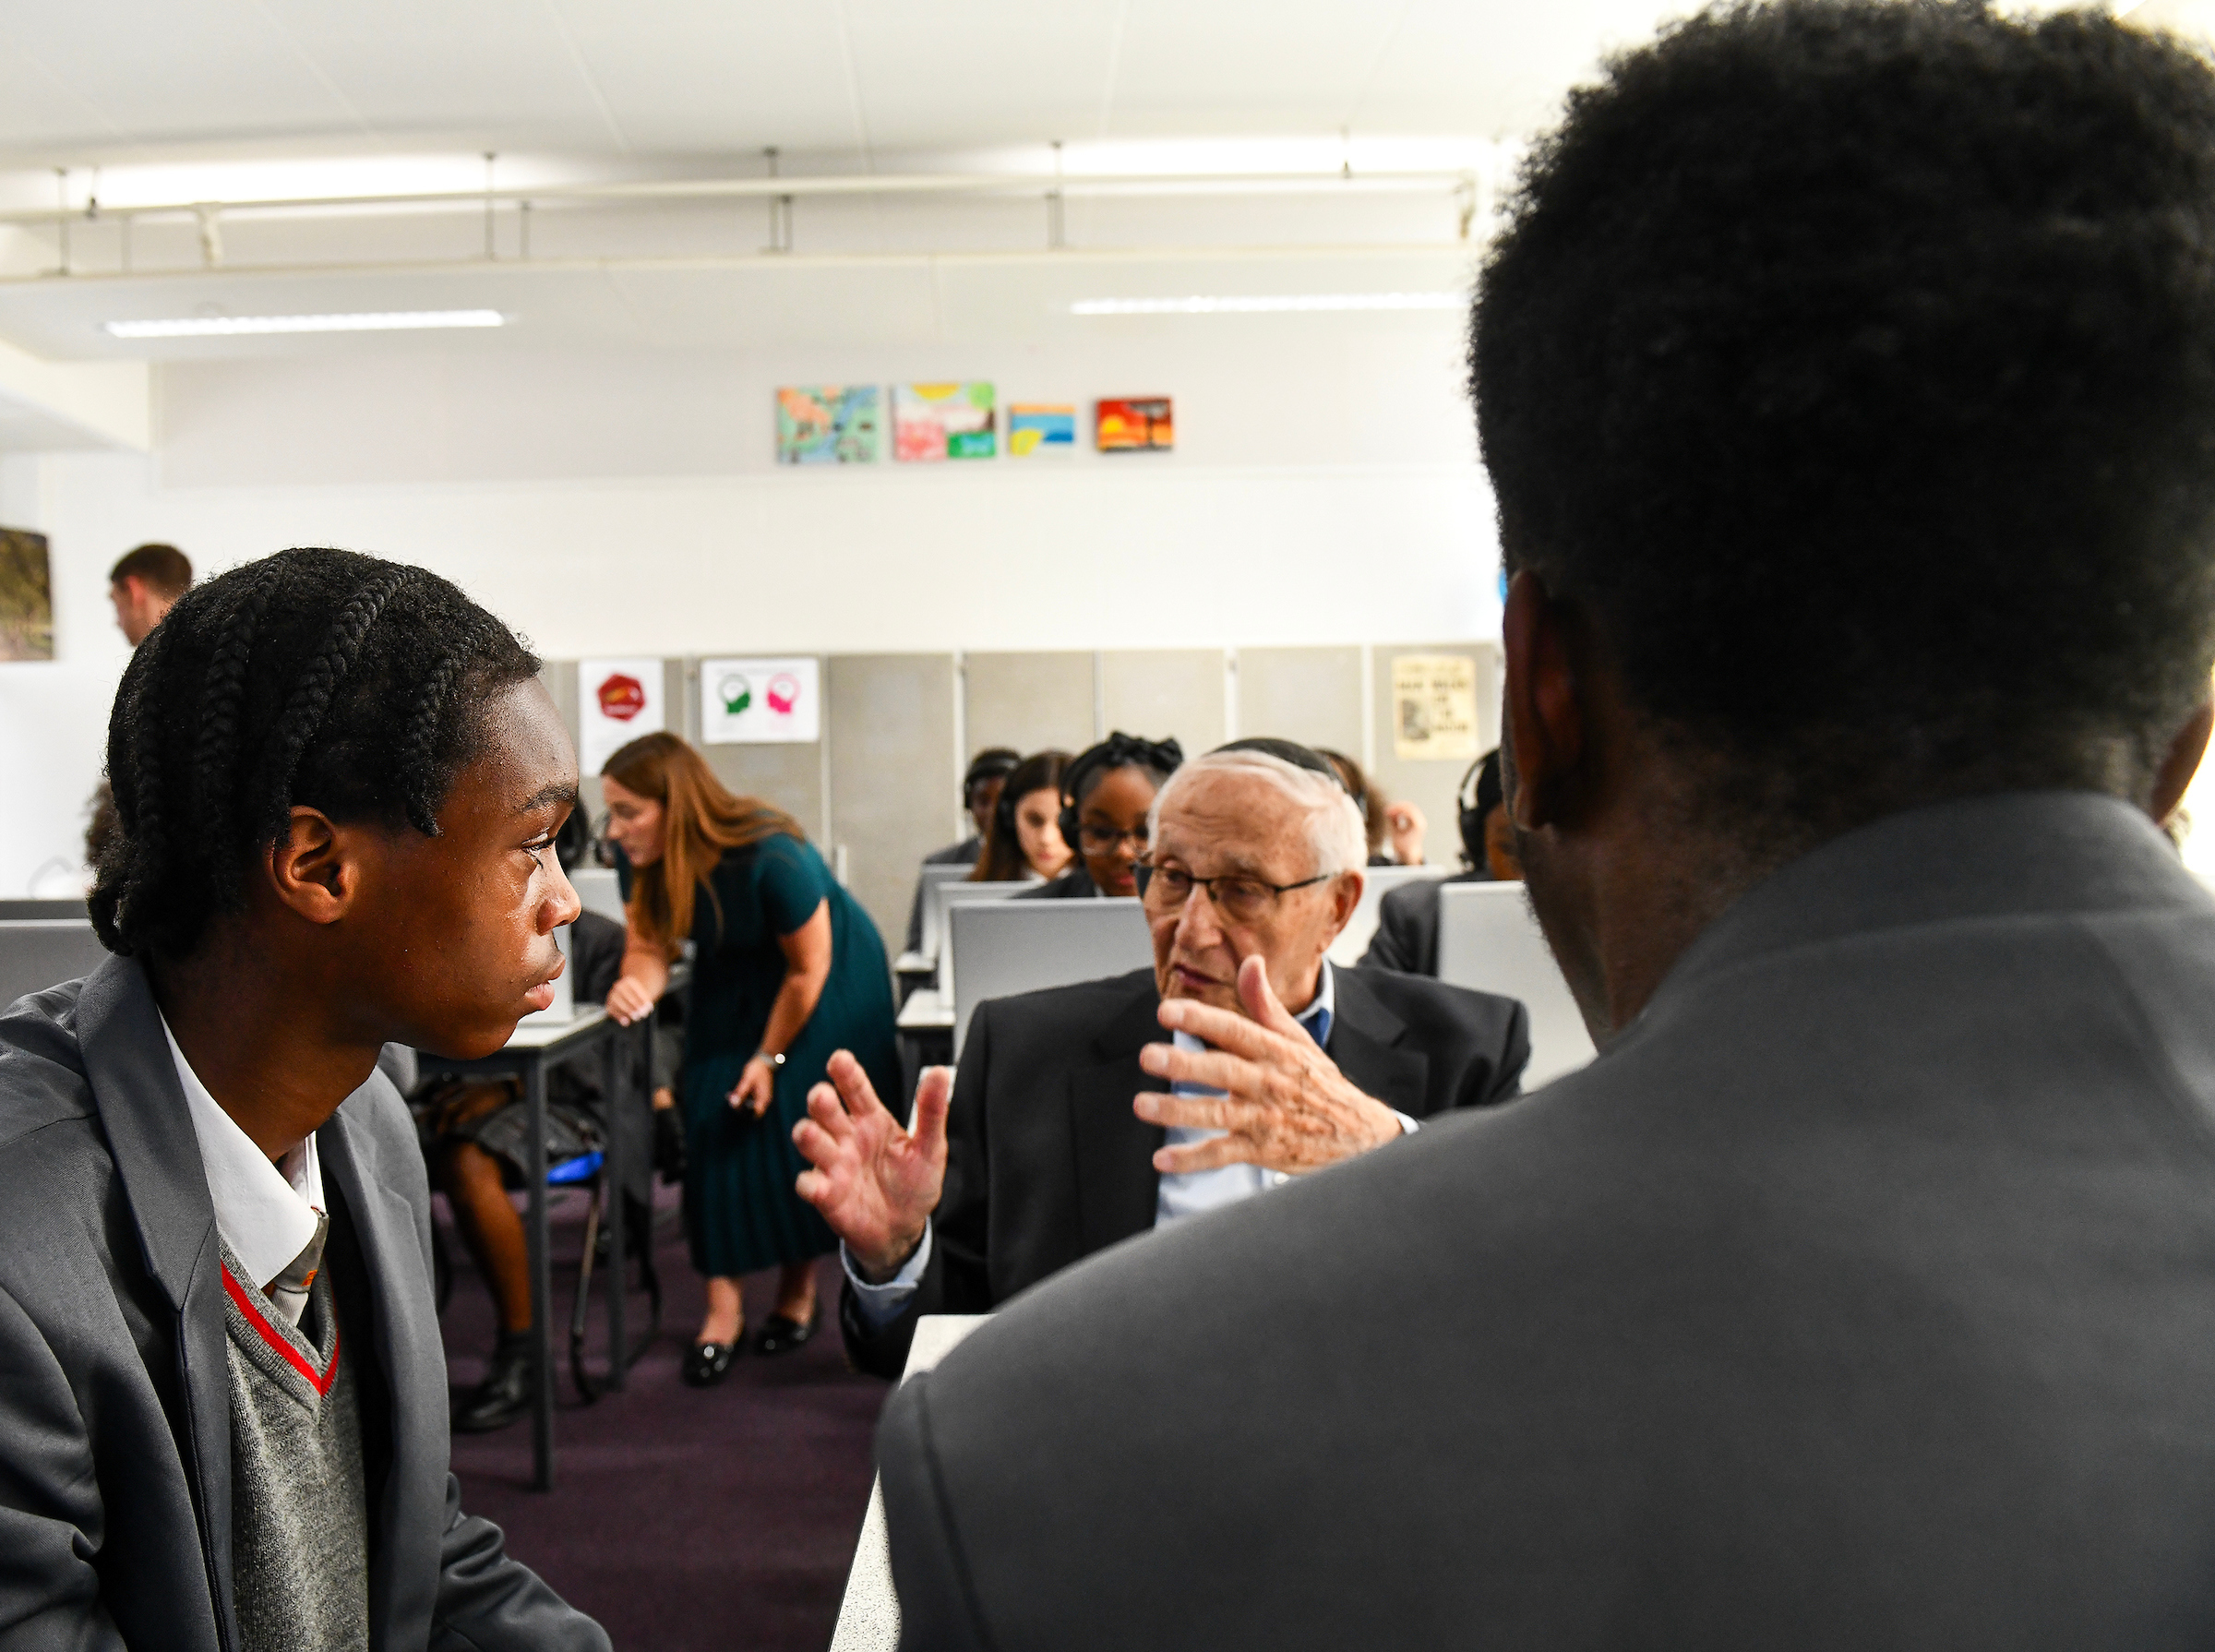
point(1337, 837)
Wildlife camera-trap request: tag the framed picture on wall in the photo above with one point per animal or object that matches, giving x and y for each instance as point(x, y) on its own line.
point(1042, 429)
point(932, 423)
point(26, 596)
point(617, 700)
point(1134, 424)
point(829, 424)
point(757, 701)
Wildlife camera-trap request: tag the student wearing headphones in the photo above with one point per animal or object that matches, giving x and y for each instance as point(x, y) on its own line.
point(1024, 843)
point(1407, 936)
point(988, 770)
point(1106, 796)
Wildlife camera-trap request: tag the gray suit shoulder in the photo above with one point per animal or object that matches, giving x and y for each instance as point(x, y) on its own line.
point(42, 1080)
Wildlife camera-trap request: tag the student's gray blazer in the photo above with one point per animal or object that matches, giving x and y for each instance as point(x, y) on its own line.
point(1862, 1293)
point(115, 1390)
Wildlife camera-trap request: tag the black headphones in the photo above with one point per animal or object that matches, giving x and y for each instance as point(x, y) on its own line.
point(1478, 794)
point(995, 762)
point(1119, 750)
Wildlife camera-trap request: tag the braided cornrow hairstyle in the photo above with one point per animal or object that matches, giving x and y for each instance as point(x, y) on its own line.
point(313, 677)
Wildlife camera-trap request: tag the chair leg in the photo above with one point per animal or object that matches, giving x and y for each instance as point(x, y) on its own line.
point(587, 1388)
point(640, 1217)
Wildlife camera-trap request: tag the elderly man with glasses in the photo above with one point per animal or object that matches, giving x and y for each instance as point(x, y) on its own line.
point(1056, 1140)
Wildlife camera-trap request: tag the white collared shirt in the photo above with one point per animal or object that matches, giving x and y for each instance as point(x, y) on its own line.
point(267, 1213)
point(1180, 1195)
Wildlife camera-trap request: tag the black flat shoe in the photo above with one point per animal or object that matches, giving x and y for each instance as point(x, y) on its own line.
point(505, 1394)
point(781, 1334)
point(708, 1362)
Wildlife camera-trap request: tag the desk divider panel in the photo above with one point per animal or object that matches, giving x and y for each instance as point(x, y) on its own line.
point(1312, 695)
point(895, 775)
point(1153, 692)
point(1430, 784)
point(1030, 701)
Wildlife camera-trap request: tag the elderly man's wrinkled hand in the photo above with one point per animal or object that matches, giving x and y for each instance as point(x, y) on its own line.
point(875, 1184)
point(1285, 1106)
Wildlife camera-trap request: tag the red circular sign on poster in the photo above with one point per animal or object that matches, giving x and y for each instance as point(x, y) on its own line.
point(622, 697)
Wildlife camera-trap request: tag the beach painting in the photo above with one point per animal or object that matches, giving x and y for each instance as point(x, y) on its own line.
point(1041, 429)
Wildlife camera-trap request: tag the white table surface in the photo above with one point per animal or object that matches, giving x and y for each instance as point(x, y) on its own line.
point(869, 1619)
point(537, 1035)
point(924, 1011)
point(916, 963)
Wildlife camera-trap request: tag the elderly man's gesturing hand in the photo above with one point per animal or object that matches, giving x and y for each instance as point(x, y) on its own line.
point(1285, 1106)
point(874, 1182)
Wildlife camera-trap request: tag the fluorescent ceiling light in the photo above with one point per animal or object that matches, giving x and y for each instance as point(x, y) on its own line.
point(212, 327)
point(1268, 304)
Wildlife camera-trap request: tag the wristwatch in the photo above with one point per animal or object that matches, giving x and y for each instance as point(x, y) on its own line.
point(775, 1061)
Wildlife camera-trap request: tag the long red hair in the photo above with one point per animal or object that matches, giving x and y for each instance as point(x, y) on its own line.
point(702, 817)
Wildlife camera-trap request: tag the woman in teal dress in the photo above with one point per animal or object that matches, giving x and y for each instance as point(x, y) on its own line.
point(786, 968)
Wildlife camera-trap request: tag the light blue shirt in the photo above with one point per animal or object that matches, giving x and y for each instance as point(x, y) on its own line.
point(1183, 1193)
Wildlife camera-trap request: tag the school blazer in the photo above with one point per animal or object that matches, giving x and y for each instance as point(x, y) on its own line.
point(114, 1389)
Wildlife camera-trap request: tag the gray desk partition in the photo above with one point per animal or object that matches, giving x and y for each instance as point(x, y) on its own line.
point(36, 953)
point(947, 896)
point(1353, 940)
point(1488, 938)
point(72, 907)
point(933, 913)
point(597, 887)
point(1006, 947)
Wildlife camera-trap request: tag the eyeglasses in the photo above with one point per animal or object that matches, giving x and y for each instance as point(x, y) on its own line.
point(1105, 839)
point(1241, 899)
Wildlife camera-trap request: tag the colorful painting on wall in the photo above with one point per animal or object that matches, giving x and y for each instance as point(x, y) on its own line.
point(829, 424)
point(26, 596)
point(1041, 429)
point(1134, 424)
point(934, 422)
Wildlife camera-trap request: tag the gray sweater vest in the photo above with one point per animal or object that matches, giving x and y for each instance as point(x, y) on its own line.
point(299, 1498)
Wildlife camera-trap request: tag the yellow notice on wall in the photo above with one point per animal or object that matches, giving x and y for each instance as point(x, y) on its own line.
point(1434, 707)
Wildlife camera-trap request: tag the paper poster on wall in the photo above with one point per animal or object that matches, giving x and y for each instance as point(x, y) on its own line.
point(829, 424)
point(1434, 707)
point(756, 702)
point(26, 596)
point(1041, 429)
point(617, 700)
point(1134, 424)
point(935, 422)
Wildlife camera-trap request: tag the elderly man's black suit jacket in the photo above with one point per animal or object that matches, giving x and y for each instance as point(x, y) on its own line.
point(1046, 1162)
point(1862, 1293)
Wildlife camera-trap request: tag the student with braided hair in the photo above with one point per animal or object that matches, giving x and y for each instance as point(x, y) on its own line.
point(1106, 791)
point(222, 1395)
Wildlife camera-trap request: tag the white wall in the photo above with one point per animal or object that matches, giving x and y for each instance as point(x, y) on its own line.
point(1325, 490)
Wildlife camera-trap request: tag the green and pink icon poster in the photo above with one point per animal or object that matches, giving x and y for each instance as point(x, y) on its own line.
point(932, 423)
point(760, 701)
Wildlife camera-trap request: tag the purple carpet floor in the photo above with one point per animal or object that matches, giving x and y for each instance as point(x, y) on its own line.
point(681, 1518)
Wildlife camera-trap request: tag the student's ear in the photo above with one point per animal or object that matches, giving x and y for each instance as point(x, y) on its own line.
point(312, 867)
point(2182, 761)
point(1545, 722)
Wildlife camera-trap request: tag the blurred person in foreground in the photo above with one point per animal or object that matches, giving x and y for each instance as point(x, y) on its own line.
point(1845, 374)
point(1054, 1144)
